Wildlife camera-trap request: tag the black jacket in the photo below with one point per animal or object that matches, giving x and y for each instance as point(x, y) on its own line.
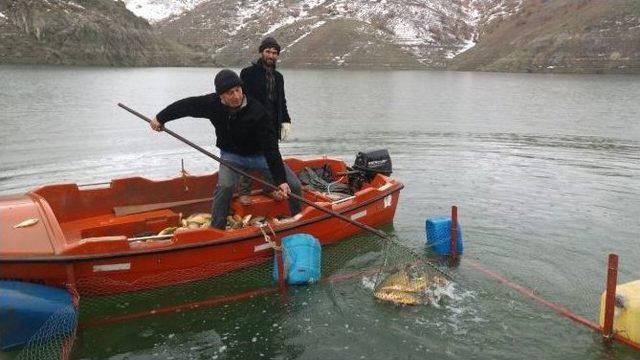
point(245, 132)
point(254, 85)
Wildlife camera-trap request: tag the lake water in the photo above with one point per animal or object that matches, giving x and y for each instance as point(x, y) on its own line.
point(545, 170)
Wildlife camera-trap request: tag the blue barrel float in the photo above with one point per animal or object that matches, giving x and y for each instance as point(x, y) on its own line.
point(302, 255)
point(25, 309)
point(439, 235)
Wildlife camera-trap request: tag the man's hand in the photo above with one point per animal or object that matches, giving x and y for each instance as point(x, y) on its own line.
point(285, 131)
point(156, 125)
point(285, 190)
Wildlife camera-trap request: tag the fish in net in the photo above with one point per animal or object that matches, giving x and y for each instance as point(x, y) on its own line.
point(407, 278)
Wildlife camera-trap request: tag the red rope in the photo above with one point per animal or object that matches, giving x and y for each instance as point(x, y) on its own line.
point(556, 307)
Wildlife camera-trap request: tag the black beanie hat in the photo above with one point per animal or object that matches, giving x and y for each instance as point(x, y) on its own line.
point(225, 80)
point(269, 43)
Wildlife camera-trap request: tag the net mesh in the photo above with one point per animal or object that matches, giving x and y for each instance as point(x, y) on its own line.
point(53, 340)
point(395, 273)
point(407, 278)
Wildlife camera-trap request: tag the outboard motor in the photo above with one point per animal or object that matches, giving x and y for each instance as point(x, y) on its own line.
point(373, 162)
point(367, 165)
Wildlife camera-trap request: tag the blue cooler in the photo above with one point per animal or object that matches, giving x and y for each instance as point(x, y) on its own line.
point(301, 258)
point(439, 235)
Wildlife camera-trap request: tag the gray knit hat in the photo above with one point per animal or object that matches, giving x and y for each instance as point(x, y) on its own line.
point(269, 43)
point(225, 80)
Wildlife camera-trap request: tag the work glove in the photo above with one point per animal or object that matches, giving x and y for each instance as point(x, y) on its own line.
point(285, 131)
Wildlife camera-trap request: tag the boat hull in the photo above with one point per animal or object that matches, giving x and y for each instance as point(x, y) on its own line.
point(197, 254)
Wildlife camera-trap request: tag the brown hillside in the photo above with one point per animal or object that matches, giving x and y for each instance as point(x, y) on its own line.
point(586, 36)
point(348, 44)
point(97, 32)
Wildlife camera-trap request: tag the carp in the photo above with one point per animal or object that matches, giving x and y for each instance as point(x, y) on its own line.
point(401, 288)
point(234, 222)
point(26, 223)
point(257, 221)
point(197, 220)
point(401, 281)
point(168, 231)
point(398, 297)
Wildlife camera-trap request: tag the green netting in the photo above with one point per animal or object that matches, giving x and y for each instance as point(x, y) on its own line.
point(48, 342)
point(368, 262)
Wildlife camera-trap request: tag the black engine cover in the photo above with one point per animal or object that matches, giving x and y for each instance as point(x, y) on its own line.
point(374, 162)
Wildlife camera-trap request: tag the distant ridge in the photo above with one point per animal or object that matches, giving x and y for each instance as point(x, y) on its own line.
point(569, 36)
point(96, 32)
point(565, 36)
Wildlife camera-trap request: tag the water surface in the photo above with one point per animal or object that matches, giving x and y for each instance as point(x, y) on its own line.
point(544, 168)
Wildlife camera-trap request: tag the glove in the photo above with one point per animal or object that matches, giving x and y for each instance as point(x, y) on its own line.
point(285, 131)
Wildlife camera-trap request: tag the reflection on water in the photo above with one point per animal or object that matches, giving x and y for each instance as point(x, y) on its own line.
point(544, 168)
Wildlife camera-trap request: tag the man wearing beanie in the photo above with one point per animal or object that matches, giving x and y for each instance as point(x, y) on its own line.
point(264, 83)
point(244, 136)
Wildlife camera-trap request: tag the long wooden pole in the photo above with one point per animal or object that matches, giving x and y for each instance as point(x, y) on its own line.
point(377, 232)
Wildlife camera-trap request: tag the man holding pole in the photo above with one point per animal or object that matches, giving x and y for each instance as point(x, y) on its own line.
point(245, 138)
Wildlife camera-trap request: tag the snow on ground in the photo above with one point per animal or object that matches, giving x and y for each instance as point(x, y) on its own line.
point(249, 12)
point(287, 21)
point(467, 45)
point(71, 3)
point(156, 10)
point(2, 16)
point(413, 24)
point(309, 30)
point(305, 6)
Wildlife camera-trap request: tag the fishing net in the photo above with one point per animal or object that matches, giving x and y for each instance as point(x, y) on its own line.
point(407, 278)
point(323, 180)
point(54, 339)
point(392, 273)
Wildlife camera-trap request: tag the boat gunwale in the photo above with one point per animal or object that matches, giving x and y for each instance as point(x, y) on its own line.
point(85, 258)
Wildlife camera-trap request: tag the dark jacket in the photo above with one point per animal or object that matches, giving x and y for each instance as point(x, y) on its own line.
point(243, 132)
point(254, 85)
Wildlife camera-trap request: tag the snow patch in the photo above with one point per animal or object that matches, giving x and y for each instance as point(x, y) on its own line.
point(157, 10)
point(467, 45)
point(288, 21)
point(2, 16)
point(75, 5)
point(309, 31)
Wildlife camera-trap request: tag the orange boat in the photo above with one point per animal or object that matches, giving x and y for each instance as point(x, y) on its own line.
point(66, 234)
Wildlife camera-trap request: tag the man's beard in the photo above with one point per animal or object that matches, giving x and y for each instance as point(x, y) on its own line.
point(269, 63)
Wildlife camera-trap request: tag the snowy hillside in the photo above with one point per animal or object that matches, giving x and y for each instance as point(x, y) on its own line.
point(413, 24)
point(430, 32)
point(156, 10)
point(491, 35)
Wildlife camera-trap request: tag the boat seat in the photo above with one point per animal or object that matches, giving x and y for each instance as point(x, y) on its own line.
point(262, 206)
point(128, 225)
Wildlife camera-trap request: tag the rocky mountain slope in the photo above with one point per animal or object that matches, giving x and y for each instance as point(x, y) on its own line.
point(333, 33)
point(583, 36)
point(90, 32)
point(488, 35)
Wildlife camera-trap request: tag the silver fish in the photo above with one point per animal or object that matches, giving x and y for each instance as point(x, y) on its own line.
point(26, 223)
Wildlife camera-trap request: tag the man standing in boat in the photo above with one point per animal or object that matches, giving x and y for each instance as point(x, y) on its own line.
point(245, 137)
point(264, 83)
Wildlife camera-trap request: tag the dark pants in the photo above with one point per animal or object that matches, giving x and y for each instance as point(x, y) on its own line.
point(228, 179)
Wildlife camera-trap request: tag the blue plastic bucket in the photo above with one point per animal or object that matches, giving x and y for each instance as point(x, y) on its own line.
point(439, 234)
point(301, 259)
